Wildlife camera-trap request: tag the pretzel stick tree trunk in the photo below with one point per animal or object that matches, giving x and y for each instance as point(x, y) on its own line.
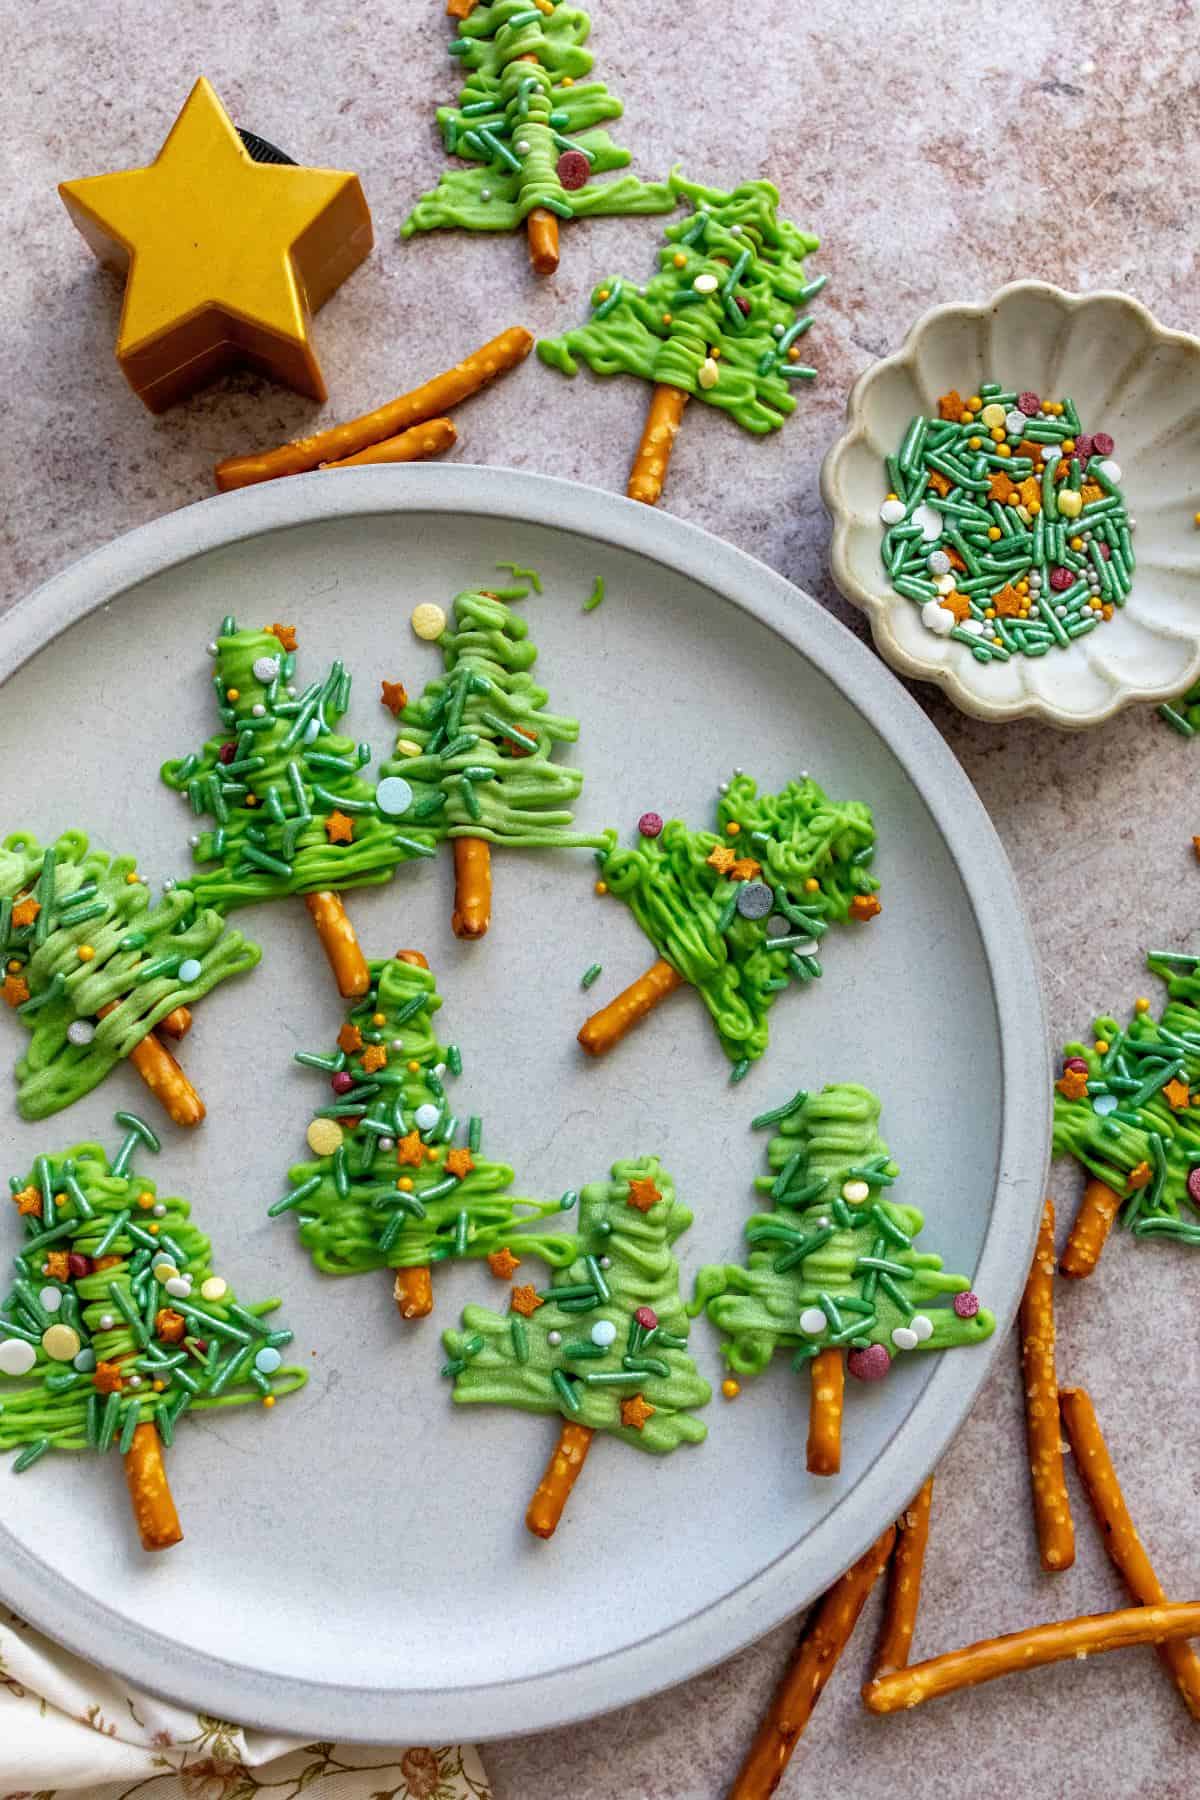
point(149, 1493)
point(339, 942)
point(825, 1636)
point(562, 1472)
point(1062, 1641)
point(828, 1378)
point(608, 1026)
point(1051, 1508)
point(163, 1076)
point(1120, 1535)
point(1089, 1230)
point(542, 230)
point(177, 1023)
point(648, 475)
point(472, 887)
point(904, 1585)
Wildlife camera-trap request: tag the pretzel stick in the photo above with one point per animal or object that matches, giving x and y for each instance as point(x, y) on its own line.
point(428, 401)
point(825, 1635)
point(461, 9)
point(904, 1585)
point(828, 1376)
point(413, 1292)
point(562, 1472)
point(163, 1076)
point(177, 1023)
point(1043, 1429)
point(337, 937)
point(1121, 1540)
point(1089, 1230)
point(413, 957)
point(653, 453)
point(608, 1026)
point(153, 1508)
point(1032, 1648)
point(472, 887)
point(542, 228)
point(412, 445)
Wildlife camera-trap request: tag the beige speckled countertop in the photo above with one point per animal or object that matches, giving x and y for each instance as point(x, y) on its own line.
point(939, 150)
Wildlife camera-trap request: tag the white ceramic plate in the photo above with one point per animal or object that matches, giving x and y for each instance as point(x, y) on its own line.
point(356, 1565)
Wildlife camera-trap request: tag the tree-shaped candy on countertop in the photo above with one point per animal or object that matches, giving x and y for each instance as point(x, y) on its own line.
point(292, 813)
point(832, 1267)
point(473, 755)
point(390, 1187)
point(96, 971)
point(738, 912)
point(528, 124)
point(604, 1346)
point(1127, 1107)
point(720, 322)
point(115, 1324)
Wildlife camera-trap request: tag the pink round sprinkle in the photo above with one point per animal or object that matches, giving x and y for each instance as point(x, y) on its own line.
point(1085, 443)
point(1077, 1063)
point(1060, 578)
point(871, 1364)
point(227, 752)
point(1028, 403)
point(1105, 551)
point(342, 1082)
point(573, 169)
point(1102, 444)
point(966, 1305)
point(650, 824)
point(646, 1316)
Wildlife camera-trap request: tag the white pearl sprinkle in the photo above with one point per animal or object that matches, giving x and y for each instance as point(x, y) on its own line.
point(735, 231)
point(903, 1338)
point(168, 885)
point(937, 618)
point(777, 331)
point(80, 1031)
point(812, 1321)
point(387, 1144)
point(159, 1210)
point(211, 648)
point(51, 1299)
point(606, 1262)
point(554, 1339)
point(134, 1381)
point(258, 711)
point(427, 1116)
point(194, 840)
point(929, 521)
point(522, 146)
point(1110, 468)
point(892, 511)
point(485, 193)
point(944, 584)
point(922, 1326)
point(856, 1191)
point(105, 1322)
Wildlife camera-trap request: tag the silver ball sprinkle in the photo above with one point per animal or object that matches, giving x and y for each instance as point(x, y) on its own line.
point(722, 787)
point(397, 1044)
point(554, 1338)
point(606, 1262)
point(485, 193)
point(135, 1381)
point(194, 840)
point(387, 1143)
point(258, 711)
point(522, 146)
point(211, 648)
point(159, 1210)
point(105, 1322)
point(168, 885)
point(290, 692)
point(777, 331)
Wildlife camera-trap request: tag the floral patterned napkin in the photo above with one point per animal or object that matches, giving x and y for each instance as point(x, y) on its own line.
point(67, 1728)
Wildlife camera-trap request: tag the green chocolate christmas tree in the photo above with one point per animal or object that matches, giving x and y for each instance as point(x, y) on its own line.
point(605, 1346)
point(528, 124)
point(1127, 1107)
point(720, 322)
point(115, 1324)
point(292, 813)
point(390, 1188)
point(832, 1267)
point(738, 912)
point(92, 968)
point(473, 758)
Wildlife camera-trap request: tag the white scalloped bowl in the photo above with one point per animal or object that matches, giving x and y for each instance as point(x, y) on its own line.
point(1129, 376)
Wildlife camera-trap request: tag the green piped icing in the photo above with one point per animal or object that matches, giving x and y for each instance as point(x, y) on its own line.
point(88, 899)
point(291, 764)
point(686, 906)
point(542, 104)
point(641, 1273)
point(87, 1206)
point(668, 331)
point(368, 1222)
point(1142, 1132)
point(825, 1141)
point(489, 785)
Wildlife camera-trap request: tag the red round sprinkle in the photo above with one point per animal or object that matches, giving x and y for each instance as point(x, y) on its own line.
point(650, 824)
point(78, 1266)
point(1102, 444)
point(646, 1316)
point(342, 1082)
point(227, 752)
point(742, 304)
point(1193, 1184)
point(871, 1364)
point(1085, 443)
point(1077, 1063)
point(1105, 551)
point(1061, 579)
point(966, 1305)
point(573, 169)
point(1028, 403)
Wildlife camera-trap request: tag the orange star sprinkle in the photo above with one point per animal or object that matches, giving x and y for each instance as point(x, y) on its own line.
point(1140, 1177)
point(525, 1300)
point(1090, 491)
point(956, 603)
point(349, 1038)
point(956, 562)
point(108, 1378)
point(28, 1202)
point(460, 1162)
point(1007, 602)
point(1000, 487)
point(503, 1263)
point(1177, 1094)
point(642, 1193)
point(410, 1150)
point(950, 406)
point(374, 1058)
point(394, 696)
point(16, 990)
point(864, 907)
point(56, 1265)
point(745, 869)
point(26, 911)
point(1073, 1084)
point(523, 748)
point(939, 484)
point(285, 633)
point(722, 859)
point(169, 1326)
point(339, 829)
point(635, 1412)
point(1030, 491)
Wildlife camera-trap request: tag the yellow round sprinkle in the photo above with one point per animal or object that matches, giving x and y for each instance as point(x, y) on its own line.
point(85, 953)
point(60, 1343)
point(413, 1068)
point(975, 443)
point(732, 828)
point(428, 620)
point(1141, 1004)
point(965, 418)
point(666, 318)
point(1068, 445)
point(405, 1182)
point(1003, 450)
point(379, 1018)
point(268, 1400)
point(974, 402)
point(215, 1288)
point(992, 415)
point(132, 877)
point(1101, 1046)
point(1077, 543)
point(1070, 502)
point(602, 293)
point(1035, 506)
point(232, 694)
point(989, 612)
point(158, 1386)
point(324, 1137)
point(994, 532)
point(731, 1389)
point(145, 1201)
point(406, 747)
point(1196, 518)
point(679, 259)
point(812, 885)
point(602, 887)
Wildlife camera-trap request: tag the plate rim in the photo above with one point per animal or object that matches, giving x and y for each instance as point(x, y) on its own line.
point(549, 1700)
